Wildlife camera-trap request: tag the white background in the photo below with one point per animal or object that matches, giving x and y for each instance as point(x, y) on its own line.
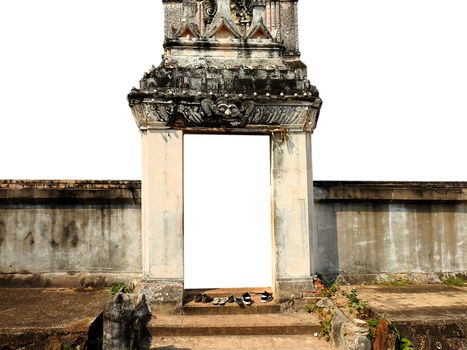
point(227, 224)
point(392, 75)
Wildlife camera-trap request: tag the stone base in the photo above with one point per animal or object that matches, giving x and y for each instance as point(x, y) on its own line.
point(67, 280)
point(388, 278)
point(293, 288)
point(162, 295)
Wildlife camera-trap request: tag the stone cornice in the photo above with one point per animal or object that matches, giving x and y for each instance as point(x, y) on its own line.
point(392, 192)
point(234, 113)
point(69, 192)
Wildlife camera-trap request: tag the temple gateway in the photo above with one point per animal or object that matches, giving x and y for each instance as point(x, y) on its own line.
point(229, 67)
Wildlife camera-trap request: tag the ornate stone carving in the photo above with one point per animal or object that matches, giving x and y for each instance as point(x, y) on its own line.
point(242, 11)
point(209, 11)
point(226, 114)
point(228, 64)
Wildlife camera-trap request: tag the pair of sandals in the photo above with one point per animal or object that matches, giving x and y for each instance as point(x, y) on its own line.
point(204, 298)
point(223, 301)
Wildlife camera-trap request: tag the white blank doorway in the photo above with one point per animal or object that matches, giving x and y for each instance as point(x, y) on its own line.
point(227, 210)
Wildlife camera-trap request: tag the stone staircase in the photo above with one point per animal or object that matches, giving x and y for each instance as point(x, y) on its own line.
point(259, 326)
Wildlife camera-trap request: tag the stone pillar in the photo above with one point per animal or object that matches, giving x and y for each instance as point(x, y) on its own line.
point(162, 215)
point(292, 200)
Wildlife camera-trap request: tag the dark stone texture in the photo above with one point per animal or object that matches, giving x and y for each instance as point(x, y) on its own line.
point(288, 289)
point(125, 318)
point(434, 335)
point(164, 296)
point(69, 192)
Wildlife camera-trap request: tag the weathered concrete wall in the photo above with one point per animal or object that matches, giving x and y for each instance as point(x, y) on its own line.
point(389, 228)
point(70, 227)
point(83, 228)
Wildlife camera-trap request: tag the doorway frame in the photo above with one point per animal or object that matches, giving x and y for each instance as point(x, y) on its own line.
point(293, 233)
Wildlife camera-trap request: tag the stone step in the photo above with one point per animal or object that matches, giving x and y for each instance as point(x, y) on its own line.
point(230, 325)
point(257, 342)
point(230, 309)
point(257, 307)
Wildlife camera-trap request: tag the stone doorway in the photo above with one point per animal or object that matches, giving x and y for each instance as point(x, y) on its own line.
point(162, 214)
point(227, 211)
point(222, 76)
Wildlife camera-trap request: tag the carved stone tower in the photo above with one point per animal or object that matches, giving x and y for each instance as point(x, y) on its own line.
point(229, 66)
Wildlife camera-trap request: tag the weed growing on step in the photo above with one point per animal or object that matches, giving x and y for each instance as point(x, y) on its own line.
point(325, 315)
point(453, 281)
point(402, 343)
point(372, 328)
point(325, 319)
point(355, 303)
point(326, 328)
point(310, 308)
point(121, 288)
point(398, 283)
point(328, 292)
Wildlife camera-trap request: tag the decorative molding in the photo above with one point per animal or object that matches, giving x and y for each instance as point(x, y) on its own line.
point(259, 31)
point(209, 8)
point(242, 11)
point(226, 113)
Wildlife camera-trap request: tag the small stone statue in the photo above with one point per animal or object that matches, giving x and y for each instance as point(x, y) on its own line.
point(125, 322)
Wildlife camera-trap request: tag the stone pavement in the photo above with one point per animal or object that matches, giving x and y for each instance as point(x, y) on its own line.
point(47, 318)
point(432, 316)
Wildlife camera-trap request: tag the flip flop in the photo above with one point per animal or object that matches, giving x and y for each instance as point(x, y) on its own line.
point(239, 301)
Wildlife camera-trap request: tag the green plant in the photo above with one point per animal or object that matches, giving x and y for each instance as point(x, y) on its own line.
point(398, 283)
point(355, 304)
point(373, 328)
point(404, 344)
point(120, 288)
point(333, 289)
point(326, 328)
point(353, 296)
point(328, 292)
point(310, 307)
point(453, 281)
